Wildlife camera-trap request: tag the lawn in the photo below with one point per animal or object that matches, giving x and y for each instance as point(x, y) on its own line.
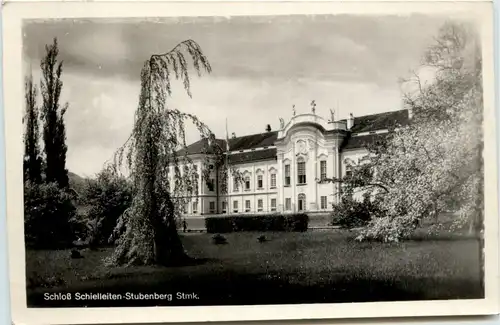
point(311, 267)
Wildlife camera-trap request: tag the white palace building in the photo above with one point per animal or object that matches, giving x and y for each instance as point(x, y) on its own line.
point(281, 169)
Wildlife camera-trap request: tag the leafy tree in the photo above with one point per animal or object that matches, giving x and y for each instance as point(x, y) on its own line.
point(48, 215)
point(435, 163)
point(107, 197)
point(163, 175)
point(32, 154)
point(54, 132)
point(437, 160)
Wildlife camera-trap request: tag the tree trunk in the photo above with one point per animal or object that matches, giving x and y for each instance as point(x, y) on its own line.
point(168, 249)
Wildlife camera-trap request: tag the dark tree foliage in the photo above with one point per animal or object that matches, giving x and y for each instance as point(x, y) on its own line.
point(54, 133)
point(107, 197)
point(32, 155)
point(48, 215)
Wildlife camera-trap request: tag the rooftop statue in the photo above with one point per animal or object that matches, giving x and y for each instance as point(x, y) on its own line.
point(332, 115)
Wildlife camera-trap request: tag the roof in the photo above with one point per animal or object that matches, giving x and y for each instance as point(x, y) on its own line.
point(259, 140)
point(201, 145)
point(266, 154)
point(363, 141)
point(379, 121)
point(246, 142)
point(362, 124)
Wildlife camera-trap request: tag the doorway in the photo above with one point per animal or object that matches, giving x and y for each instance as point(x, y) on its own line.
point(301, 202)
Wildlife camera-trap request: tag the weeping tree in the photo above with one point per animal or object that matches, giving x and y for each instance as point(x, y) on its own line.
point(163, 175)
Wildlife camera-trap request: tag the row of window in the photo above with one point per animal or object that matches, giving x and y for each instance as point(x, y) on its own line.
point(301, 172)
point(301, 176)
point(302, 203)
point(260, 205)
point(211, 208)
point(260, 183)
point(248, 206)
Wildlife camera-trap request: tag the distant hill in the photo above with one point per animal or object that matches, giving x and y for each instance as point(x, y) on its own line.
point(76, 181)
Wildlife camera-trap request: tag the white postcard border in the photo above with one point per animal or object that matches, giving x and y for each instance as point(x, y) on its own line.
point(13, 103)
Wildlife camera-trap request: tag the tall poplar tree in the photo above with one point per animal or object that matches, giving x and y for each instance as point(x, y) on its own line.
point(32, 156)
point(54, 133)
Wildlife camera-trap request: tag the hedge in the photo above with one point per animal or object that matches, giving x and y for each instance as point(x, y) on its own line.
point(260, 222)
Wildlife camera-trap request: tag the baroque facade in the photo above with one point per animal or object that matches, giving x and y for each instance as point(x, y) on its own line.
point(282, 169)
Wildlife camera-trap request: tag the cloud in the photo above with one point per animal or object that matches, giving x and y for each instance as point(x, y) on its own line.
point(261, 67)
point(331, 47)
point(101, 113)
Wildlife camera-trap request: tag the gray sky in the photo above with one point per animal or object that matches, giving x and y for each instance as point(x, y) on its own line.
point(261, 67)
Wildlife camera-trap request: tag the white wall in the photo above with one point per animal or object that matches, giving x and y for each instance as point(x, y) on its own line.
point(310, 145)
point(266, 193)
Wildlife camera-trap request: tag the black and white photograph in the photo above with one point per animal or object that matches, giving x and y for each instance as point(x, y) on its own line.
point(254, 159)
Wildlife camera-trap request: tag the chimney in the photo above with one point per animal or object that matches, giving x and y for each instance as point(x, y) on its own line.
point(268, 128)
point(350, 121)
point(233, 135)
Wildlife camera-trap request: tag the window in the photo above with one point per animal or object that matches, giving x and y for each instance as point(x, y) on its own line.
point(235, 206)
point(301, 172)
point(273, 180)
point(211, 185)
point(288, 204)
point(224, 207)
point(273, 204)
point(196, 189)
point(186, 208)
point(287, 175)
point(348, 171)
point(322, 168)
point(260, 205)
point(247, 206)
point(323, 202)
point(195, 207)
point(247, 183)
point(236, 186)
point(259, 182)
point(212, 206)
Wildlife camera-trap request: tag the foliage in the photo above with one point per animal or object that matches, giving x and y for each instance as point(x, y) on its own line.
point(107, 196)
point(32, 155)
point(261, 222)
point(435, 163)
point(219, 239)
point(54, 132)
point(351, 213)
point(48, 216)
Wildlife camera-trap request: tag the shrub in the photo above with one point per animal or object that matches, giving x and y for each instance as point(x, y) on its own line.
point(107, 197)
point(351, 213)
point(262, 222)
point(219, 239)
point(261, 239)
point(387, 229)
point(48, 215)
